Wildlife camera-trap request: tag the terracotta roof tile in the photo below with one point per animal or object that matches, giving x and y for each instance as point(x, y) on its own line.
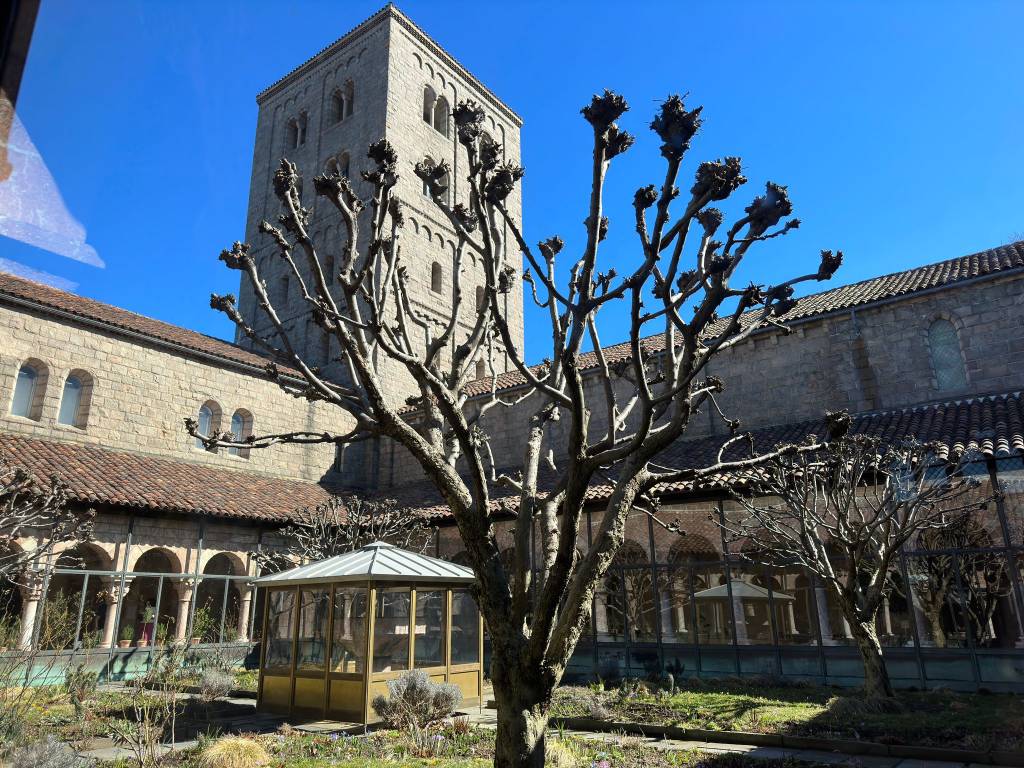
point(121, 319)
point(98, 475)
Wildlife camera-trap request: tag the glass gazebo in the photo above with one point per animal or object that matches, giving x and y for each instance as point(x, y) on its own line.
point(337, 630)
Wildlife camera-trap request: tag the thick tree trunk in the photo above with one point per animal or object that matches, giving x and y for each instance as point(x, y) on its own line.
point(523, 698)
point(876, 676)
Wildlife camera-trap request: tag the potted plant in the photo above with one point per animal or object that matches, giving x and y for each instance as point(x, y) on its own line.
point(163, 632)
point(127, 635)
point(148, 615)
point(202, 625)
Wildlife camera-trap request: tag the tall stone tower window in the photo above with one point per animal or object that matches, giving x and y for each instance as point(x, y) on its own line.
point(947, 360)
point(429, 97)
point(479, 298)
point(436, 277)
point(337, 107)
point(343, 102)
point(441, 116)
point(74, 400)
point(241, 428)
point(481, 369)
point(350, 98)
point(282, 291)
point(209, 422)
point(343, 165)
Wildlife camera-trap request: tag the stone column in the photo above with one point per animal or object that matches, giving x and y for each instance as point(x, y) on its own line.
point(886, 617)
point(668, 634)
point(112, 595)
point(791, 617)
point(243, 614)
point(186, 588)
point(31, 587)
point(601, 616)
point(739, 618)
point(821, 603)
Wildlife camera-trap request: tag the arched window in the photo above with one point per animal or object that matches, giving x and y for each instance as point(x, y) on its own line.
point(428, 161)
point(350, 98)
point(343, 165)
point(209, 421)
point(429, 97)
point(479, 298)
point(74, 400)
point(947, 361)
point(292, 133)
point(29, 389)
point(241, 428)
point(282, 291)
point(331, 166)
point(337, 107)
point(435, 277)
point(481, 369)
point(303, 121)
point(441, 116)
point(328, 267)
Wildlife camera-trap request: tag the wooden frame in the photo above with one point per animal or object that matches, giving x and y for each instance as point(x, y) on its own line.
point(369, 681)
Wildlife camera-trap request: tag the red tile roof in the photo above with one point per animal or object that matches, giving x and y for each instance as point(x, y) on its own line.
point(97, 475)
point(121, 319)
point(930, 276)
point(992, 425)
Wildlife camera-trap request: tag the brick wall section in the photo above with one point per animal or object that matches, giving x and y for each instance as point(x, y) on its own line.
point(141, 393)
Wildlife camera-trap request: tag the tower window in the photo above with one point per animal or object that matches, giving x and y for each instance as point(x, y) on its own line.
point(241, 428)
point(343, 165)
point(479, 298)
point(301, 129)
point(292, 133)
point(208, 420)
point(337, 107)
point(282, 290)
point(481, 369)
point(436, 277)
point(350, 98)
point(429, 97)
point(947, 361)
point(441, 116)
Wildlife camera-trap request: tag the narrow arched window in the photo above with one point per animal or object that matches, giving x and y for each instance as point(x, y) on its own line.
point(70, 412)
point(429, 97)
point(435, 277)
point(241, 428)
point(479, 298)
point(292, 133)
point(331, 166)
point(207, 424)
point(328, 268)
point(27, 400)
point(303, 122)
point(337, 107)
point(429, 161)
point(343, 165)
point(947, 360)
point(350, 98)
point(481, 369)
point(282, 290)
point(441, 116)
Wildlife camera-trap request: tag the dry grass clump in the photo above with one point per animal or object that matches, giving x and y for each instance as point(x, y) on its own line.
point(234, 752)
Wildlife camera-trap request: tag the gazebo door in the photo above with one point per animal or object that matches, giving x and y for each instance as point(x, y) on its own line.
point(348, 650)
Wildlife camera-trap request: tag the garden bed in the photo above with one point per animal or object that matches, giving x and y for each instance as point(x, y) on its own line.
point(974, 722)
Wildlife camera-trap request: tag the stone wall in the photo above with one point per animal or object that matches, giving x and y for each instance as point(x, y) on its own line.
point(140, 394)
point(875, 358)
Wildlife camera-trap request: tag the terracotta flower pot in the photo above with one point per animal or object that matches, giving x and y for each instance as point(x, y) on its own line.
point(142, 643)
point(124, 643)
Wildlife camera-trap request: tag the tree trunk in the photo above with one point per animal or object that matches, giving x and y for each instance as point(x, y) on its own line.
point(523, 698)
point(876, 677)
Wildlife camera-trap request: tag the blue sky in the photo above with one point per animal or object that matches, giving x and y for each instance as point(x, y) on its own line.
point(897, 126)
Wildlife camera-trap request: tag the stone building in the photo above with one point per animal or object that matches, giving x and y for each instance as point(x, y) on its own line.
point(97, 395)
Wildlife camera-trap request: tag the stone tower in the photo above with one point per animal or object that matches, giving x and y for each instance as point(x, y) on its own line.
point(384, 79)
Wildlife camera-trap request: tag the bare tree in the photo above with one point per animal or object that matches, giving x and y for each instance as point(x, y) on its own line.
point(616, 416)
point(36, 511)
point(844, 512)
point(344, 524)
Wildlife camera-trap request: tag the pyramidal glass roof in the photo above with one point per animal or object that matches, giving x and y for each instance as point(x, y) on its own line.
point(374, 562)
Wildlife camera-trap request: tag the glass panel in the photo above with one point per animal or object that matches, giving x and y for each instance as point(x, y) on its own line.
point(936, 601)
point(989, 601)
point(714, 612)
point(751, 604)
point(1010, 474)
point(279, 629)
point(391, 631)
point(313, 607)
point(465, 628)
point(676, 605)
point(205, 423)
point(70, 402)
point(430, 628)
point(348, 649)
point(24, 392)
point(793, 597)
point(893, 624)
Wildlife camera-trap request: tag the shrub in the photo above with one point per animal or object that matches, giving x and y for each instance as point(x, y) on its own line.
point(561, 754)
point(80, 684)
point(215, 684)
point(849, 707)
point(50, 753)
point(413, 701)
point(234, 752)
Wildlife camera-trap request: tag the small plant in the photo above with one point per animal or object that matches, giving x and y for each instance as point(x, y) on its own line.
point(203, 625)
point(234, 752)
point(413, 701)
point(49, 753)
point(215, 683)
point(80, 684)
point(127, 635)
point(163, 631)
